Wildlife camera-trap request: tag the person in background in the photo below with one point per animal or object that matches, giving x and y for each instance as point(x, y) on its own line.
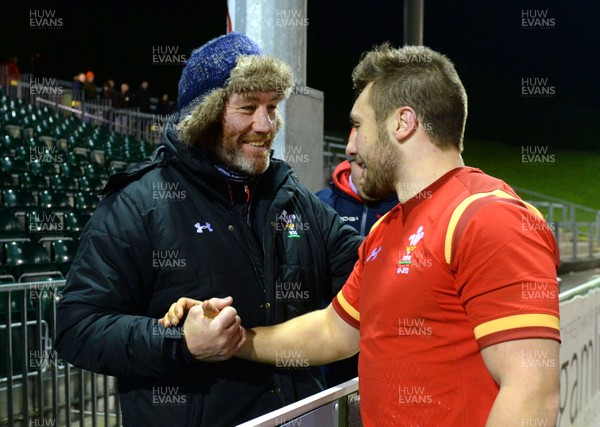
point(109, 92)
point(123, 98)
point(89, 87)
point(346, 196)
point(142, 97)
point(210, 214)
point(164, 106)
point(9, 70)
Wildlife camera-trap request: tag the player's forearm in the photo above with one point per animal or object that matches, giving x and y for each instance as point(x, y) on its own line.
point(515, 407)
point(311, 339)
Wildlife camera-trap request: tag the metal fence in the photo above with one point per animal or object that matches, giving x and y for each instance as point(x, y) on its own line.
point(60, 97)
point(576, 227)
point(36, 386)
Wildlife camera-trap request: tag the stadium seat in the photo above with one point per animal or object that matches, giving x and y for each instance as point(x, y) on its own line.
point(52, 199)
point(28, 261)
point(64, 183)
point(9, 142)
point(44, 224)
point(31, 181)
point(70, 170)
point(86, 201)
point(94, 170)
point(43, 168)
point(63, 251)
point(75, 222)
point(6, 180)
point(90, 184)
point(19, 198)
point(10, 228)
point(10, 164)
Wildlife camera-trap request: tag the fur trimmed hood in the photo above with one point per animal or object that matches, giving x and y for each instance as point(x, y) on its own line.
point(252, 73)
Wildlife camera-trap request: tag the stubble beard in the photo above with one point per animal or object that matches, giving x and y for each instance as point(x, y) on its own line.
point(232, 157)
point(382, 167)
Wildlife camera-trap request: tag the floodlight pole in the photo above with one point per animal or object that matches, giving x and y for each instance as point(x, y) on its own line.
point(413, 22)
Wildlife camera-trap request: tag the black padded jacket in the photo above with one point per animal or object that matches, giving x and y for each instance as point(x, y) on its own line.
point(175, 226)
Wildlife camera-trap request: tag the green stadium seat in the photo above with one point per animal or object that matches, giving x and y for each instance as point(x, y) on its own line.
point(90, 184)
point(64, 183)
point(75, 222)
point(17, 198)
point(56, 200)
point(10, 164)
point(86, 201)
point(31, 181)
point(11, 228)
point(28, 261)
point(63, 251)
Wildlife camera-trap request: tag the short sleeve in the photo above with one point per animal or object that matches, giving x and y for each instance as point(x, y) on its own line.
point(346, 302)
point(505, 266)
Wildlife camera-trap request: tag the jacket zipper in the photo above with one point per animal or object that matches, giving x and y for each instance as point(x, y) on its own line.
point(363, 221)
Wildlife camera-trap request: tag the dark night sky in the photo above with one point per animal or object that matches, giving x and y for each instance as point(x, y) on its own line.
point(485, 39)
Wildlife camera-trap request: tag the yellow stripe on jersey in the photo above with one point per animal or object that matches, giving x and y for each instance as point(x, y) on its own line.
point(518, 321)
point(378, 221)
point(347, 307)
point(462, 206)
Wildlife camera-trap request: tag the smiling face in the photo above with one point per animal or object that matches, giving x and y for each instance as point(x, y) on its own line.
point(375, 153)
point(249, 126)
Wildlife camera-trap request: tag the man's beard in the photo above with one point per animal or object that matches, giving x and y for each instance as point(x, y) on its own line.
point(382, 167)
point(233, 158)
point(231, 155)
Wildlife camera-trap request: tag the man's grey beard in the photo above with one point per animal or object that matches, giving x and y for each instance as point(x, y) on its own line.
point(236, 161)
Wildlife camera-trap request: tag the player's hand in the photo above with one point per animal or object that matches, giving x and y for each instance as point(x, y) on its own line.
point(179, 309)
point(213, 334)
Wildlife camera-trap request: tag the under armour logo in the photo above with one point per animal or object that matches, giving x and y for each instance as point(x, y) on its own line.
point(201, 228)
point(374, 254)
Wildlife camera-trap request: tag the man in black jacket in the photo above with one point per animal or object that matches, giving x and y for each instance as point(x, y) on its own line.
point(209, 215)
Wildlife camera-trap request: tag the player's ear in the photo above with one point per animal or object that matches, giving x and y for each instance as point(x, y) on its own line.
point(404, 123)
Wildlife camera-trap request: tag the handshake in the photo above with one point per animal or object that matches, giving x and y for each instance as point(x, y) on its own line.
point(212, 330)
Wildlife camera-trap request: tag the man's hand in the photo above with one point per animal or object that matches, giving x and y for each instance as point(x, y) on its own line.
point(212, 329)
point(179, 309)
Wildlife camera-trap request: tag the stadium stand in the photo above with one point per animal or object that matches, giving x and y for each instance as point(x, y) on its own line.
point(52, 167)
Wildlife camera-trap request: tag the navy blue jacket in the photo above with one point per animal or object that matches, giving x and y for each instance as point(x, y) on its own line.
point(358, 214)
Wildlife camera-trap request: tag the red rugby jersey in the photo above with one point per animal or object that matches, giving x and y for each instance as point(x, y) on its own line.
point(463, 265)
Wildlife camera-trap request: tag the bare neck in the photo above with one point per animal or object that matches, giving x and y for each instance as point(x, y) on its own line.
point(421, 167)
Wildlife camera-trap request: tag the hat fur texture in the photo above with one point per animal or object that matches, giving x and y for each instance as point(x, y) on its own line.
point(252, 73)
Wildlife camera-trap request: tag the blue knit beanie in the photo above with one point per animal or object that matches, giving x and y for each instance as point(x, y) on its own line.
point(209, 66)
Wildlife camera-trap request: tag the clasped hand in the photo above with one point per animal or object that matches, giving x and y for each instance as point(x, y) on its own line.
point(212, 328)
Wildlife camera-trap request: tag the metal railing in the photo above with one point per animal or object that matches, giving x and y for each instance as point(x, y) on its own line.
point(36, 386)
point(55, 95)
point(338, 406)
point(576, 227)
